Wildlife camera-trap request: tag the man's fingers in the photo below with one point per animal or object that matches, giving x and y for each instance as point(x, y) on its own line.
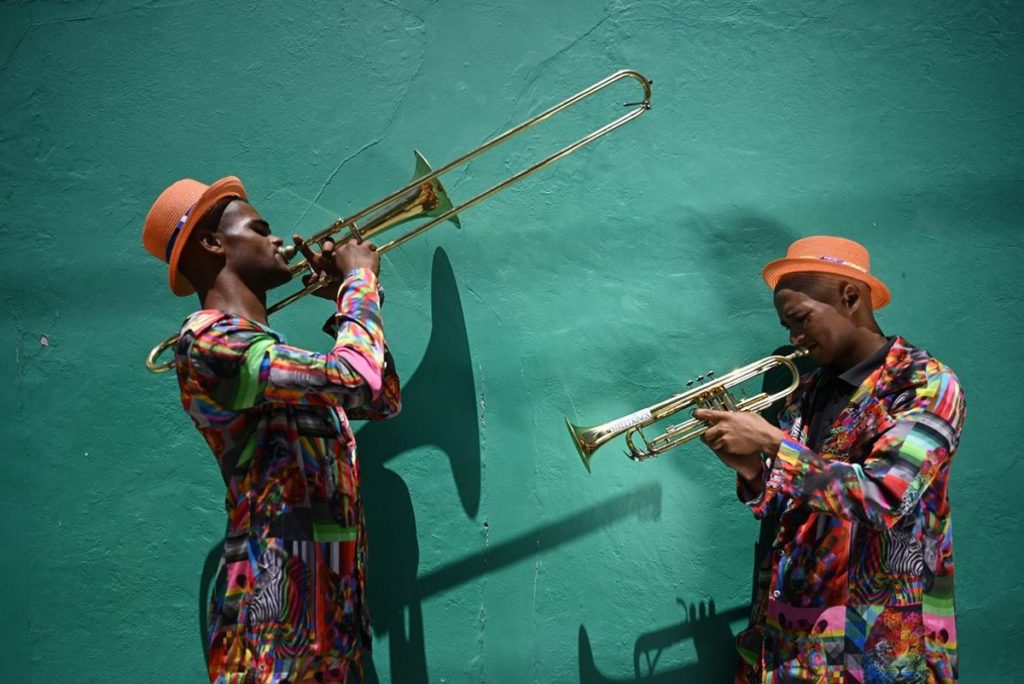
point(317, 277)
point(710, 415)
point(711, 436)
point(300, 244)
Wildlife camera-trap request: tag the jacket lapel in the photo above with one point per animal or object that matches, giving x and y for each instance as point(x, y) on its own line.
point(868, 414)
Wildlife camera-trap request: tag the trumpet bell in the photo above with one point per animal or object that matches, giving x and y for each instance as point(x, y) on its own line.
point(588, 440)
point(584, 447)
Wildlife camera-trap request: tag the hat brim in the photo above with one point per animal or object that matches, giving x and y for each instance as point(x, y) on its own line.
point(780, 268)
point(226, 187)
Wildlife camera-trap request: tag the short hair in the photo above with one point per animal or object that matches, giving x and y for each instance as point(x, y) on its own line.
point(210, 221)
point(823, 287)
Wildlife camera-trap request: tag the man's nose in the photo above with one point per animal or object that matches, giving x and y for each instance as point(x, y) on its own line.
point(796, 337)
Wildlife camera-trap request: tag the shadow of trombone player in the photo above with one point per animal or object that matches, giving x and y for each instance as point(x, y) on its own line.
point(439, 410)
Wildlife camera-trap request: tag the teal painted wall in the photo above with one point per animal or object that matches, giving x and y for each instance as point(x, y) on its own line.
point(591, 290)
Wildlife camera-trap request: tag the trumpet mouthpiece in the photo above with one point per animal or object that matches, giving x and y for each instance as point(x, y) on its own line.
point(287, 251)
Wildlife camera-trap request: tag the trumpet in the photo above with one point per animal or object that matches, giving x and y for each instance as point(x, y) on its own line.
point(703, 392)
point(426, 197)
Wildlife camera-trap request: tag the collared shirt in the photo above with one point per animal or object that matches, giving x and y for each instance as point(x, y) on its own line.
point(833, 392)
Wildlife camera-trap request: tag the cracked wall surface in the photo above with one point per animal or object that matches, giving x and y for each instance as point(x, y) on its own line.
point(592, 289)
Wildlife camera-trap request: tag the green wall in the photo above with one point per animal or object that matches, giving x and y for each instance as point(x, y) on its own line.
point(590, 290)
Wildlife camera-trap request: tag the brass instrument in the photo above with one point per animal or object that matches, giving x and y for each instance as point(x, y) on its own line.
point(425, 196)
point(713, 394)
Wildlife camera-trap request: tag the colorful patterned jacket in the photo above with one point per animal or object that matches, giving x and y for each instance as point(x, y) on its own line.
point(858, 585)
point(291, 583)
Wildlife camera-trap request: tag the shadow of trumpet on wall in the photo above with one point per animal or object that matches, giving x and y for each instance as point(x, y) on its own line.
point(709, 631)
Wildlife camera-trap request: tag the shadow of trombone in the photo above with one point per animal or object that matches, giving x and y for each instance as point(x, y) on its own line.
point(397, 606)
point(643, 502)
point(439, 403)
point(441, 411)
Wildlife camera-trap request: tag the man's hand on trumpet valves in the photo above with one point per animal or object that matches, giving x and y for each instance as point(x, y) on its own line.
point(739, 438)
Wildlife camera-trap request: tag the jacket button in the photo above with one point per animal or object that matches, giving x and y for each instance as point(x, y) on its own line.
point(776, 594)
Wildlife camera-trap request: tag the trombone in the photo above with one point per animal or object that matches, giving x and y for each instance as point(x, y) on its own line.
point(426, 197)
point(713, 394)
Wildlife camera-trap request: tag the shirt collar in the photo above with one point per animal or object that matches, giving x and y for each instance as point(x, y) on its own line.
point(858, 374)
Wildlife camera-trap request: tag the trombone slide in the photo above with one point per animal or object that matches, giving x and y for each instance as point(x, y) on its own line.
point(443, 210)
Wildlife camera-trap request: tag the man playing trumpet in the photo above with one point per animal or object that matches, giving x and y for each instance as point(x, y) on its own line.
point(858, 583)
point(289, 599)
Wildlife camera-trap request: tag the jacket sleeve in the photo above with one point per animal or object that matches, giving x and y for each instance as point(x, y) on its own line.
point(762, 505)
point(389, 402)
point(915, 444)
point(250, 366)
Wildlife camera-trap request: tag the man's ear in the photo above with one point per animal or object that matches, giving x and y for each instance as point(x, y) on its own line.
point(850, 297)
point(209, 242)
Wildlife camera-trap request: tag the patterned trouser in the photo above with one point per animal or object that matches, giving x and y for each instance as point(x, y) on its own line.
point(298, 671)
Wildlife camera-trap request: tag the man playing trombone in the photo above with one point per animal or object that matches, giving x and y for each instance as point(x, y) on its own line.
point(858, 583)
point(289, 600)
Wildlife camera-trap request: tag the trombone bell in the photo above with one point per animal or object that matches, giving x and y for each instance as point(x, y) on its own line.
point(443, 202)
point(426, 200)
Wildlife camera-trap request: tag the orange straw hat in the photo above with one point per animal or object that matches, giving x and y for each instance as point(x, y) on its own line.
point(173, 216)
point(826, 254)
